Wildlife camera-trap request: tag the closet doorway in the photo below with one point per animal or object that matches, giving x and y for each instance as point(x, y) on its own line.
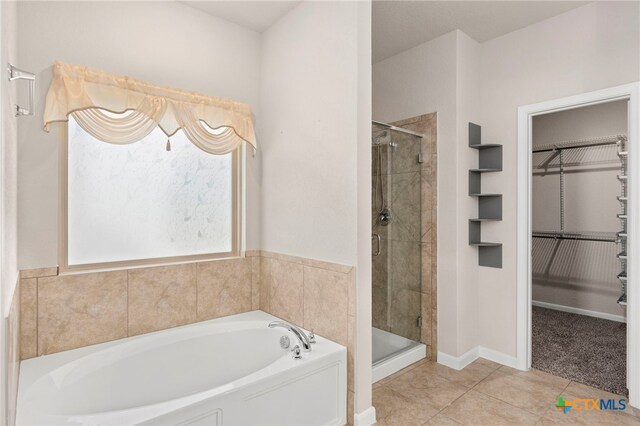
point(577, 216)
point(579, 230)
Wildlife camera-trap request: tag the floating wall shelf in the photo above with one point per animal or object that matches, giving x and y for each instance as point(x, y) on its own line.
point(489, 205)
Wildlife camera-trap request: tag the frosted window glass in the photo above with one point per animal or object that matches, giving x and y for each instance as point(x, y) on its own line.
point(139, 201)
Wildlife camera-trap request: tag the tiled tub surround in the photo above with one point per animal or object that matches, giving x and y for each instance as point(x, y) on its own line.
point(72, 311)
point(11, 357)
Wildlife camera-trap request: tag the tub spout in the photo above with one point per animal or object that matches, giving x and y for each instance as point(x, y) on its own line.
point(300, 335)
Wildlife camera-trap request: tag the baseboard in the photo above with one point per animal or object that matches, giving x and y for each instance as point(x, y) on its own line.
point(579, 311)
point(499, 357)
point(366, 418)
point(458, 363)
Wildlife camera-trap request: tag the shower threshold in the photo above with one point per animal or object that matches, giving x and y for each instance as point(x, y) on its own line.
point(392, 353)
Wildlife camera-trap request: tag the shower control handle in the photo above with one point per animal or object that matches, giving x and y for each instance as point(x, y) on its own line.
point(377, 237)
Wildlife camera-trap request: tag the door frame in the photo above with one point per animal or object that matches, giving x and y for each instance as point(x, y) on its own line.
point(524, 280)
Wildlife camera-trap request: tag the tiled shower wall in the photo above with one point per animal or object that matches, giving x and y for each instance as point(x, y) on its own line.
point(427, 125)
point(65, 312)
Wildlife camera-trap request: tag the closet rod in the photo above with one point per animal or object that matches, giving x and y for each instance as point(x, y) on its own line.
point(586, 143)
point(580, 236)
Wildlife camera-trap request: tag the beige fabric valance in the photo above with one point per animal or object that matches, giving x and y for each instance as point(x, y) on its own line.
point(122, 110)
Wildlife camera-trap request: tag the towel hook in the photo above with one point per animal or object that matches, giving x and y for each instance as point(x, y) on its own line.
point(18, 74)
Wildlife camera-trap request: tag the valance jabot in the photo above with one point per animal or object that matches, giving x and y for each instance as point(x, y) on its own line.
point(122, 110)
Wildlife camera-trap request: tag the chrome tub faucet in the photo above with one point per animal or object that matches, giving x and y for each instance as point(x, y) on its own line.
point(304, 340)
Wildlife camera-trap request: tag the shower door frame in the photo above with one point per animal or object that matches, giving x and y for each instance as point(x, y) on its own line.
point(631, 92)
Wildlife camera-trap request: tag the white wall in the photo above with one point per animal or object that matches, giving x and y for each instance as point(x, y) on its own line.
point(164, 42)
point(589, 48)
point(8, 205)
point(364, 348)
point(578, 274)
point(308, 98)
point(9, 155)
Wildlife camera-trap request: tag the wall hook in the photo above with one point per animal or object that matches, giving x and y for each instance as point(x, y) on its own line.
point(18, 74)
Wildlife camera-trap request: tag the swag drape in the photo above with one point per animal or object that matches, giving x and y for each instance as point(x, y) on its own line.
point(123, 110)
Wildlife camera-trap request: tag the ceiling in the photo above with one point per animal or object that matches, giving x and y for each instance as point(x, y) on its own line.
point(401, 25)
point(255, 15)
point(398, 25)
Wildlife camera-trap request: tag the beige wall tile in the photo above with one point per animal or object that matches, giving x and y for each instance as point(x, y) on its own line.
point(39, 272)
point(350, 409)
point(264, 285)
point(13, 358)
point(224, 288)
point(284, 284)
point(255, 283)
point(28, 318)
point(81, 310)
point(426, 267)
point(425, 331)
point(351, 352)
point(337, 267)
point(161, 297)
point(326, 303)
point(434, 332)
point(352, 292)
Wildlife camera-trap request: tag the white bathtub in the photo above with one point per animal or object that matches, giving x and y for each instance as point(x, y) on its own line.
point(227, 371)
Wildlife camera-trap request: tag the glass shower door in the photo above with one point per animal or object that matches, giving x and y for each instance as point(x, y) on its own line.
point(397, 225)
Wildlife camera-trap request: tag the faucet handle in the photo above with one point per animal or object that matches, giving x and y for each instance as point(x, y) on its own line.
point(312, 337)
point(295, 352)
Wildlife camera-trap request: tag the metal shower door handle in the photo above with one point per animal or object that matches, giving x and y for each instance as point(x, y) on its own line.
point(377, 237)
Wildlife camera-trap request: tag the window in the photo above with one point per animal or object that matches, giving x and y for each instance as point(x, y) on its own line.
point(140, 203)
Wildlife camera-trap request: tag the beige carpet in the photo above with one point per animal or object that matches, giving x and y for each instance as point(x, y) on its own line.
point(588, 350)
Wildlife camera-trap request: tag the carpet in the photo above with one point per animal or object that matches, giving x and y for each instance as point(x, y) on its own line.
point(592, 351)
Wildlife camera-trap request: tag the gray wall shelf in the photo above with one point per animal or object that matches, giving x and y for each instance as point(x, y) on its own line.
point(489, 205)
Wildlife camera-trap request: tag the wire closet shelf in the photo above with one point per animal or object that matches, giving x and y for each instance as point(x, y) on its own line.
point(557, 155)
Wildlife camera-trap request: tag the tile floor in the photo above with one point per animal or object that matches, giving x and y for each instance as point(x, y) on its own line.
point(485, 393)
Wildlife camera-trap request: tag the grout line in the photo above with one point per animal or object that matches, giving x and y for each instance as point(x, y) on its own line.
point(196, 267)
point(128, 303)
point(303, 299)
point(37, 320)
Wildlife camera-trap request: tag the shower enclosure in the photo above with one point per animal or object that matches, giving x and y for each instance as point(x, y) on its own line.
point(396, 245)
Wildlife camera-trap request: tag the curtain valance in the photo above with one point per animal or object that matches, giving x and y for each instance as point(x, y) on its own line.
point(122, 110)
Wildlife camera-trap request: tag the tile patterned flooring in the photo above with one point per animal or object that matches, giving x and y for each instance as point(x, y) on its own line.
point(485, 393)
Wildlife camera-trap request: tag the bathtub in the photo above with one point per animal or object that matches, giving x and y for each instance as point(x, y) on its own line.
point(227, 371)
